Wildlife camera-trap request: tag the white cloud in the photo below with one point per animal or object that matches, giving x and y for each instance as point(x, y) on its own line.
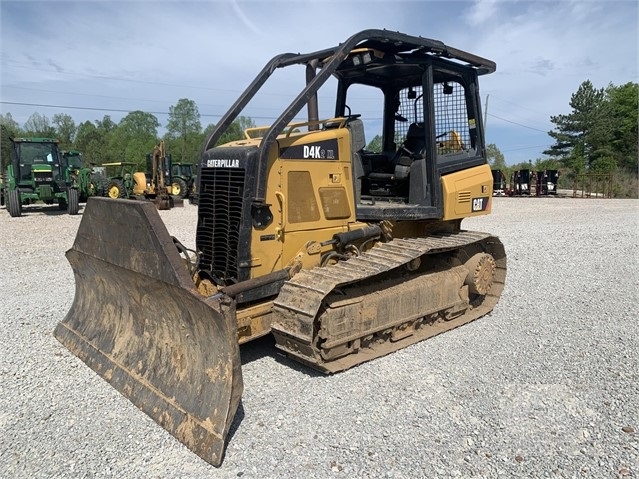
point(146, 55)
point(481, 12)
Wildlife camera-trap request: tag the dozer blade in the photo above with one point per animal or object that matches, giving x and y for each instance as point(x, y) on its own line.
point(138, 321)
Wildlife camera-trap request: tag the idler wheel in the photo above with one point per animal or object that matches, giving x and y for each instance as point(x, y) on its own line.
point(481, 273)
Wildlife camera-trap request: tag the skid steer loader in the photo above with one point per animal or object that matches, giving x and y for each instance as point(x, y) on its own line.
point(344, 254)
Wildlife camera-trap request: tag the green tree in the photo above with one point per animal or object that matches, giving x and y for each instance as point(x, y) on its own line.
point(375, 144)
point(93, 140)
point(38, 125)
point(106, 125)
point(134, 137)
point(184, 130)
point(546, 164)
point(623, 121)
point(139, 124)
point(581, 136)
point(9, 128)
point(89, 141)
point(9, 123)
point(64, 129)
point(495, 157)
point(600, 135)
point(236, 130)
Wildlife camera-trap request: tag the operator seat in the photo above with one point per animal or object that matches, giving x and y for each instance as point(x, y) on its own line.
point(415, 140)
point(410, 150)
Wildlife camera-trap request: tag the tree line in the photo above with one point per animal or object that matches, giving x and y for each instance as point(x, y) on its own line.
point(131, 139)
point(599, 135)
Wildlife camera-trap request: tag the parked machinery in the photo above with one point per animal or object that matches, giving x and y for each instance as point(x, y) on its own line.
point(500, 187)
point(158, 188)
point(342, 254)
point(183, 179)
point(547, 181)
point(37, 172)
point(122, 180)
point(521, 182)
point(89, 184)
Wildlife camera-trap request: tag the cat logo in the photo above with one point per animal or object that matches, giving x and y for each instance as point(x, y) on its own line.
point(480, 204)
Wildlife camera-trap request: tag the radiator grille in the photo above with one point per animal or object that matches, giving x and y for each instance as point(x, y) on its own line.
point(43, 176)
point(220, 218)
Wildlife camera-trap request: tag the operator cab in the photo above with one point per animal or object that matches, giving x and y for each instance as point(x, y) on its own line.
point(36, 159)
point(426, 122)
point(406, 116)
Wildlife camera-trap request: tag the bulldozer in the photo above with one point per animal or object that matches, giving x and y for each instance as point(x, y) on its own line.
point(342, 252)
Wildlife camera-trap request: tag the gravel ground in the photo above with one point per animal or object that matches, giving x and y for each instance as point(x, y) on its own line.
point(545, 386)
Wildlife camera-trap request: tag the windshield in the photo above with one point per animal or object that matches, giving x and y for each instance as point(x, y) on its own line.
point(34, 153)
point(182, 170)
point(39, 156)
point(74, 160)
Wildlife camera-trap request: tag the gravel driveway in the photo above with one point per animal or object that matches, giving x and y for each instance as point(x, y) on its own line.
point(545, 386)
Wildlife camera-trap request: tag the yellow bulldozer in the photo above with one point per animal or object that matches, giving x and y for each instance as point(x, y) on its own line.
point(343, 250)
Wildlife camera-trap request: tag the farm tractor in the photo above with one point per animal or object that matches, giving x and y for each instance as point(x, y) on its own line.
point(38, 173)
point(183, 180)
point(120, 179)
point(89, 184)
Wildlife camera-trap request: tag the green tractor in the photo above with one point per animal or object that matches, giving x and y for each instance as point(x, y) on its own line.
point(37, 172)
point(121, 179)
point(89, 184)
point(183, 180)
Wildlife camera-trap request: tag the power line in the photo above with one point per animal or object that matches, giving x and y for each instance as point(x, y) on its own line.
point(81, 94)
point(519, 105)
point(527, 148)
point(69, 107)
point(106, 77)
point(209, 115)
point(515, 123)
point(66, 107)
point(117, 98)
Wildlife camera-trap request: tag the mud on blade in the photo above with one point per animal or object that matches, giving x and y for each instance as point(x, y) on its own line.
point(138, 321)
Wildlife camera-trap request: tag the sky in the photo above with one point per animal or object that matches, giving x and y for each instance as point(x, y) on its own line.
point(91, 58)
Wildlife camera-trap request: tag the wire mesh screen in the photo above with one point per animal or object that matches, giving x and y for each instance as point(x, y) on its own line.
point(451, 118)
point(410, 110)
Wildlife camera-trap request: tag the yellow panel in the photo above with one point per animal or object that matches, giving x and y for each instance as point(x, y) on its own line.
point(293, 191)
point(302, 205)
point(334, 203)
point(467, 192)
